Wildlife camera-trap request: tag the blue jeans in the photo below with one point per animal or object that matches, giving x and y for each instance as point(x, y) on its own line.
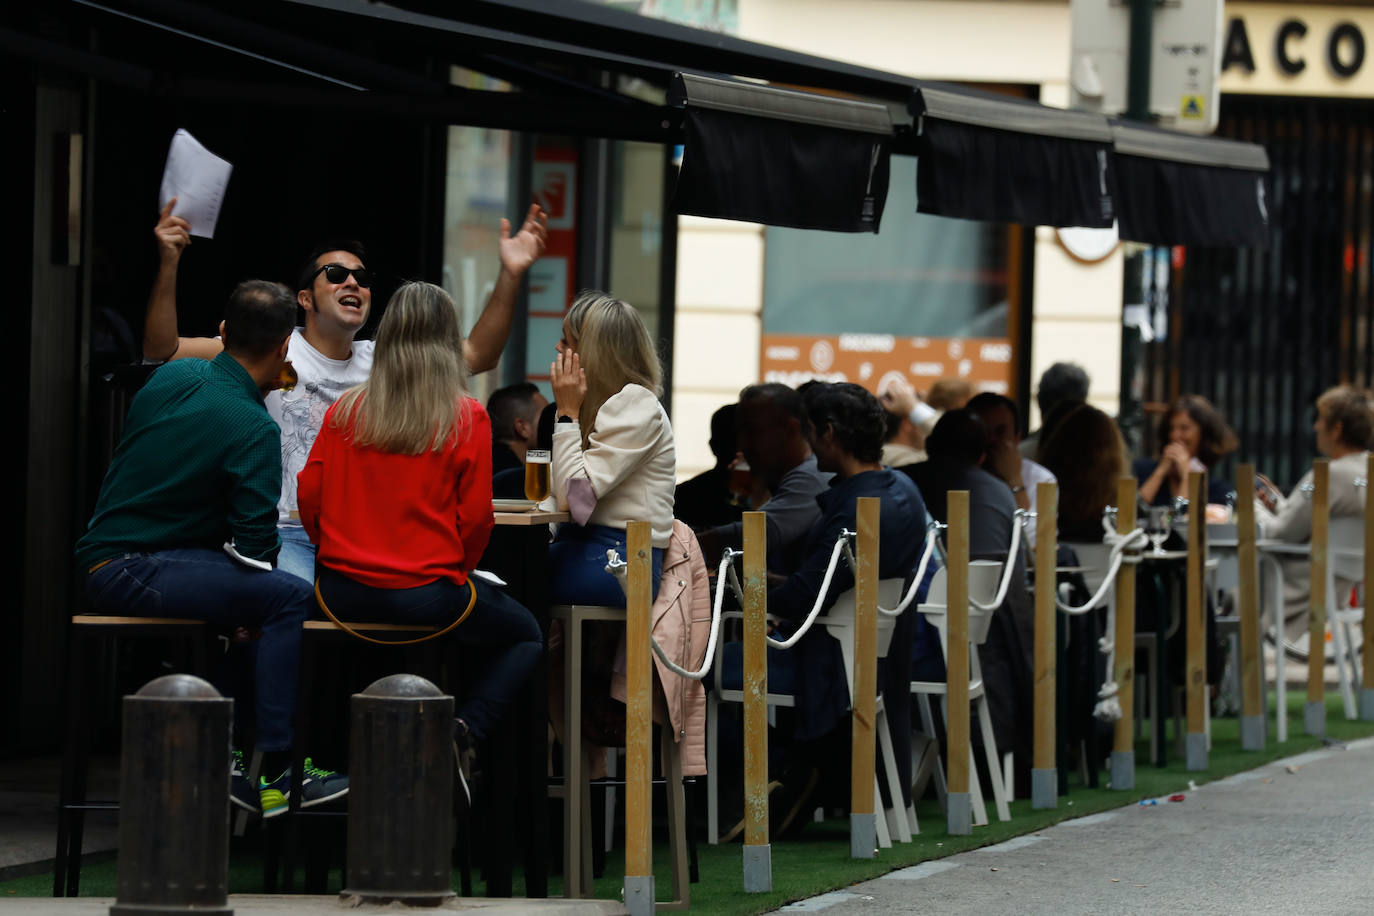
point(577, 566)
point(199, 584)
point(498, 624)
point(297, 555)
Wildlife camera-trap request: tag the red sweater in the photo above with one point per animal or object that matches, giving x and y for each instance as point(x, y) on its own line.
point(398, 521)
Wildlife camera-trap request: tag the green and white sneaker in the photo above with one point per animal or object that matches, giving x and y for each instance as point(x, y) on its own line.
point(317, 787)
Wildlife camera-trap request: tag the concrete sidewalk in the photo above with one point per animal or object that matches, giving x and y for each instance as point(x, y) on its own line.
point(301, 905)
point(1294, 836)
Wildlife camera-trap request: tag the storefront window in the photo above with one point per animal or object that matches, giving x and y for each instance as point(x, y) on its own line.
point(476, 197)
point(926, 297)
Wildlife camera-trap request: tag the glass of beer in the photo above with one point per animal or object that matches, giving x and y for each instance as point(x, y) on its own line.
point(287, 378)
point(741, 482)
point(537, 474)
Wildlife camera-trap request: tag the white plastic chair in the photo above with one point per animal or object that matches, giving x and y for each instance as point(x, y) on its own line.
point(839, 622)
point(984, 577)
point(1345, 560)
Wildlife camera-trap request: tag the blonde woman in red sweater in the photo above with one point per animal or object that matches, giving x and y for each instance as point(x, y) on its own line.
point(396, 496)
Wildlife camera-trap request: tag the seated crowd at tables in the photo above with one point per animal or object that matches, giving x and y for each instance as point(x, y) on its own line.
point(361, 488)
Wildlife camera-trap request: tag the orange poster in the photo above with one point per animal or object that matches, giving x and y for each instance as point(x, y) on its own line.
point(872, 359)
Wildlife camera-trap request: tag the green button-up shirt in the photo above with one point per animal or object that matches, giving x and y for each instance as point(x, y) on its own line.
point(199, 464)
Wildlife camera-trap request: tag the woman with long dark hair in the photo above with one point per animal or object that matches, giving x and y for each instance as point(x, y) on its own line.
point(1195, 437)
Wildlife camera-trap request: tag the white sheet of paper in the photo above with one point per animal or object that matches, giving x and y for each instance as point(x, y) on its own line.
point(197, 178)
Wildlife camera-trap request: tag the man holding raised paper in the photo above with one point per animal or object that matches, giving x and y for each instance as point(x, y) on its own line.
point(335, 293)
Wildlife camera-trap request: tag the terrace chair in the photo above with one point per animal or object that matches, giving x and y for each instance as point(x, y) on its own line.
point(984, 577)
point(839, 622)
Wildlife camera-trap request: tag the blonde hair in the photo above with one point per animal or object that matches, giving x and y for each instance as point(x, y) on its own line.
point(415, 398)
point(615, 351)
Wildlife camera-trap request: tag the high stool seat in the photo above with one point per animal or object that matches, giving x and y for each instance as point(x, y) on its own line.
point(576, 788)
point(85, 631)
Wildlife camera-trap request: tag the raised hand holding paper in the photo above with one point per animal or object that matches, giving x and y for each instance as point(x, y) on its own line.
point(197, 178)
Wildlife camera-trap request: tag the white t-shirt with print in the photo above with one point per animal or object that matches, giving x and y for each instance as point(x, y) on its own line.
point(300, 412)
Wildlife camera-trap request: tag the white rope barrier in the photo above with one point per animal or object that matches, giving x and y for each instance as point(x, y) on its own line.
point(932, 538)
point(792, 640)
point(1007, 569)
point(616, 567)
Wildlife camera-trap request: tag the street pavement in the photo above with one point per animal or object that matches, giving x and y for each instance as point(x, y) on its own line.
point(1295, 836)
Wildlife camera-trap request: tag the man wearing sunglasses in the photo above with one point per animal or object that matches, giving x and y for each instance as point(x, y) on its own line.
point(335, 293)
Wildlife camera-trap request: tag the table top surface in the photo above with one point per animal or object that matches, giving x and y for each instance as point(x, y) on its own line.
point(533, 517)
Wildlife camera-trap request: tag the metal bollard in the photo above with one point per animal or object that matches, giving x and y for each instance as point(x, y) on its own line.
point(400, 804)
point(174, 800)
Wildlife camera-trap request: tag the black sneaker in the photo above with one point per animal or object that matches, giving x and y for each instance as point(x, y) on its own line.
point(317, 787)
point(240, 789)
point(463, 756)
point(790, 805)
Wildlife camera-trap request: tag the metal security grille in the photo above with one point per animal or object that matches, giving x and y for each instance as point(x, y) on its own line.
point(1263, 332)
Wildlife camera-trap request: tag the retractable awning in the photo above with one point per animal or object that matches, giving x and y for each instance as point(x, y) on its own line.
point(1180, 189)
point(992, 158)
point(781, 157)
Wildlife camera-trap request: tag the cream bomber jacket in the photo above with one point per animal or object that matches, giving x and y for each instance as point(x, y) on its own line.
point(628, 472)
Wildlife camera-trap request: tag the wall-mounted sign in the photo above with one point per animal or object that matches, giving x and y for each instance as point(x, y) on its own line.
point(1282, 49)
point(872, 359)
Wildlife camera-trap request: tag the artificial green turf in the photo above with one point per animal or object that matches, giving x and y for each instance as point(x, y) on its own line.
point(818, 861)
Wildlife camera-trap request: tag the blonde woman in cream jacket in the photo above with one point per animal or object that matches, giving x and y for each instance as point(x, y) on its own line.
point(614, 459)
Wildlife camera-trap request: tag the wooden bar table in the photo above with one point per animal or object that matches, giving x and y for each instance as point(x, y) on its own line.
point(517, 772)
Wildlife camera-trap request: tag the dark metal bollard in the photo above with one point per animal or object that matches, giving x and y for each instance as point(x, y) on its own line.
point(400, 803)
point(174, 800)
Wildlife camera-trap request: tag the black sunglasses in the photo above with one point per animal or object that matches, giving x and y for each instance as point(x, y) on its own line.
point(337, 273)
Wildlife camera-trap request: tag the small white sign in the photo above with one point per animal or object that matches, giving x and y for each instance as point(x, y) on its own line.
point(197, 178)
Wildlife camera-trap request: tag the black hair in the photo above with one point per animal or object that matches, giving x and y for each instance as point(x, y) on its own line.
point(791, 401)
point(1215, 438)
point(851, 411)
point(506, 405)
point(990, 400)
point(723, 434)
point(260, 314)
point(306, 278)
point(1061, 382)
point(958, 436)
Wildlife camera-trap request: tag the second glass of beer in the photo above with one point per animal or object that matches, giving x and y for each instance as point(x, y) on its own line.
point(537, 474)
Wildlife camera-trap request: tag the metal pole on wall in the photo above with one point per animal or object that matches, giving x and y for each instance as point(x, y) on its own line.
point(1196, 627)
point(639, 723)
point(1247, 557)
point(1123, 668)
point(758, 854)
point(1314, 711)
point(1367, 650)
point(958, 804)
point(863, 821)
point(1044, 775)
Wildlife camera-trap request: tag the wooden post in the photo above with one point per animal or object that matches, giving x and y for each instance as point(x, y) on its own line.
point(958, 803)
point(758, 855)
point(1195, 685)
point(1367, 650)
point(863, 822)
point(1314, 712)
point(1123, 669)
point(639, 723)
point(1247, 559)
point(1044, 778)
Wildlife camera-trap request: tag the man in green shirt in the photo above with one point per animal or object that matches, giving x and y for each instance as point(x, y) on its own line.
point(186, 522)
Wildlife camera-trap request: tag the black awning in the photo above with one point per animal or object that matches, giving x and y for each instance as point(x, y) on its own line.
point(1000, 159)
point(1180, 189)
point(781, 157)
